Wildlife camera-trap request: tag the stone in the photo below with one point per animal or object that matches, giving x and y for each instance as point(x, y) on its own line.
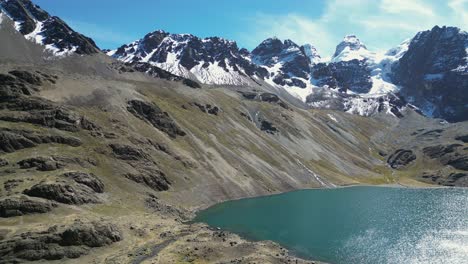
point(63, 193)
point(88, 179)
point(22, 205)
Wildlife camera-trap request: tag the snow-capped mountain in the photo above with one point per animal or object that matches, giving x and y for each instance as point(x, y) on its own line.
point(355, 79)
point(434, 73)
point(210, 60)
point(52, 32)
point(288, 64)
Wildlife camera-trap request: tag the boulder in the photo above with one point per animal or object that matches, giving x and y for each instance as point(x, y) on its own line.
point(40, 163)
point(87, 179)
point(16, 206)
point(58, 242)
point(63, 193)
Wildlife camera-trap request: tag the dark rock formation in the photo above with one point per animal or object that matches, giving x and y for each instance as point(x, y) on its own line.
point(153, 178)
point(462, 138)
point(207, 108)
point(3, 162)
point(63, 193)
point(295, 61)
point(16, 206)
point(13, 140)
point(268, 127)
point(126, 152)
point(157, 72)
point(17, 95)
point(433, 70)
point(87, 179)
point(264, 97)
point(40, 163)
point(401, 158)
point(153, 114)
point(351, 75)
point(453, 155)
point(58, 242)
point(453, 179)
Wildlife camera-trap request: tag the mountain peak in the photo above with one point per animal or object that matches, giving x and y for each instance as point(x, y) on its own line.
point(350, 48)
point(40, 27)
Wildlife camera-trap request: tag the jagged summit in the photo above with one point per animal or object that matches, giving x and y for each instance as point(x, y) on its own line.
point(211, 60)
point(40, 27)
point(350, 48)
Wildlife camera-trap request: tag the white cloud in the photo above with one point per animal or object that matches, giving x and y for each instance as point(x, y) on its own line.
point(380, 24)
point(413, 7)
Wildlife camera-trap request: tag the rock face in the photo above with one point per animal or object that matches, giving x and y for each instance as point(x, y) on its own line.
point(18, 89)
point(40, 163)
point(288, 63)
point(58, 242)
point(126, 152)
point(13, 140)
point(16, 206)
point(63, 193)
point(153, 178)
point(433, 70)
point(454, 155)
point(353, 75)
point(87, 179)
point(52, 32)
point(154, 115)
point(401, 158)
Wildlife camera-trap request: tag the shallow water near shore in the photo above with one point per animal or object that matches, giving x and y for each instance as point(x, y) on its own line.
point(355, 224)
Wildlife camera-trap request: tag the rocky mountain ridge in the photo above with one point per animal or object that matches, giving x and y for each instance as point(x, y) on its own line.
point(352, 72)
point(51, 31)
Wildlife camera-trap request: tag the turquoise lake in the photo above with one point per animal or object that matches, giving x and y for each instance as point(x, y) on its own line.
point(355, 224)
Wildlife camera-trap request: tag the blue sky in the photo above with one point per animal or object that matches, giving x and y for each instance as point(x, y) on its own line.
point(380, 24)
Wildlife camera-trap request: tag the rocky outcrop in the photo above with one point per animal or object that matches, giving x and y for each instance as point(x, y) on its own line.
point(127, 152)
point(464, 138)
point(268, 127)
point(151, 177)
point(453, 179)
point(157, 72)
point(401, 158)
point(3, 162)
point(12, 140)
point(17, 91)
point(16, 206)
point(454, 155)
point(40, 163)
point(63, 192)
point(154, 115)
point(207, 108)
point(58, 242)
point(87, 179)
point(264, 97)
